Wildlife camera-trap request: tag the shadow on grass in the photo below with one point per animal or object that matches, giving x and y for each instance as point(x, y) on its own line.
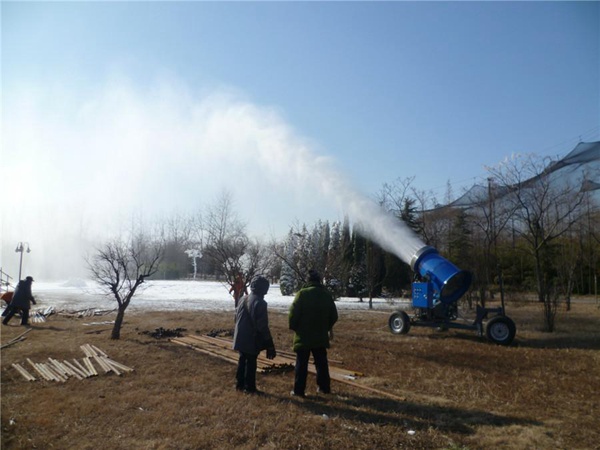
point(557, 340)
point(561, 342)
point(383, 411)
point(44, 328)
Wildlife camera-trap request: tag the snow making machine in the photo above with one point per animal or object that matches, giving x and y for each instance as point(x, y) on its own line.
point(438, 286)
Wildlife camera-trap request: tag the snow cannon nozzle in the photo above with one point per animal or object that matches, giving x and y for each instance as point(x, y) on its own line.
point(447, 279)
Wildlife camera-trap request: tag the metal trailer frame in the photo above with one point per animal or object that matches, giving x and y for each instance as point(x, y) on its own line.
point(499, 329)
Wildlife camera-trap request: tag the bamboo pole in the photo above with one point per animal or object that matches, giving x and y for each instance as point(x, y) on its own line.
point(109, 365)
point(75, 370)
point(38, 370)
point(52, 374)
point(90, 366)
point(118, 365)
point(66, 369)
point(17, 338)
point(97, 350)
point(88, 352)
point(101, 363)
point(83, 369)
point(58, 367)
point(23, 372)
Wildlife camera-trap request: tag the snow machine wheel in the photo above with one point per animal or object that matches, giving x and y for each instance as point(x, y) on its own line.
point(501, 330)
point(399, 323)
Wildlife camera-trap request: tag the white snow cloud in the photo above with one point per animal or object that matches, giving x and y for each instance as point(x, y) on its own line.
point(80, 164)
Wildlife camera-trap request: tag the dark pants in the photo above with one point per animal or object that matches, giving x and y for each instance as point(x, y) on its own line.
point(246, 372)
point(301, 370)
point(12, 311)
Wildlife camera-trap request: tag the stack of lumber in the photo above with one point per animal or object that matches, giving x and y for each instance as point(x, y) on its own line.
point(54, 370)
point(222, 348)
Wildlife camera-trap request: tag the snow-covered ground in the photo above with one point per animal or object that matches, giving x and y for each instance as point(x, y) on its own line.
point(76, 295)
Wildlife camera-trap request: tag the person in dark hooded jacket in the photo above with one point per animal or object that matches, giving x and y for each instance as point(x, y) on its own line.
point(252, 334)
point(21, 302)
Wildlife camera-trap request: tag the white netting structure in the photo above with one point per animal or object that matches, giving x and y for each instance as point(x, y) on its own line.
point(581, 165)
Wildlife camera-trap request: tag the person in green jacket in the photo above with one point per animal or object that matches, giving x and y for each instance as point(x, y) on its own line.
point(312, 315)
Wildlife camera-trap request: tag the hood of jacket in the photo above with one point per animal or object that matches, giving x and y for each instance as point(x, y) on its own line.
point(259, 285)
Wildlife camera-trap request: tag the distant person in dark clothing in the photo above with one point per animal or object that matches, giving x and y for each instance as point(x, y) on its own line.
point(312, 316)
point(252, 334)
point(21, 302)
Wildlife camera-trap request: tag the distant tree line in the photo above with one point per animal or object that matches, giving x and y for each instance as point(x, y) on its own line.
point(540, 236)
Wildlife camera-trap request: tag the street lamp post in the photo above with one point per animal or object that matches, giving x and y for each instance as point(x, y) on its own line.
point(20, 249)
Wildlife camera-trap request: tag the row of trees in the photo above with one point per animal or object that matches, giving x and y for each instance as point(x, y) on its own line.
point(528, 231)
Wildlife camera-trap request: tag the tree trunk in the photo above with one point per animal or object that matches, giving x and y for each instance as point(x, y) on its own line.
point(541, 286)
point(116, 331)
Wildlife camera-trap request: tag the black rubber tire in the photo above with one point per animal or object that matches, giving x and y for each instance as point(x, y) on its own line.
point(399, 323)
point(501, 330)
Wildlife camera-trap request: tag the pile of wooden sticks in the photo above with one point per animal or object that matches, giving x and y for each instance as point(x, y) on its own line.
point(54, 370)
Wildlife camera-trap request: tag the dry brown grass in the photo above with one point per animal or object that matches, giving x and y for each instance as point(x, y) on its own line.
point(460, 392)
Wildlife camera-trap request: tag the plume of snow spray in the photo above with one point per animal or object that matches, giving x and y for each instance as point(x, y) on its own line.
point(95, 161)
point(292, 161)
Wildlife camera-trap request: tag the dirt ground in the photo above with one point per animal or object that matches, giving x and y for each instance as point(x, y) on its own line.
point(425, 390)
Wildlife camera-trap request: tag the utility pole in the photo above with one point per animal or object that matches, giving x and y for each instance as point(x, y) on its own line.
point(20, 249)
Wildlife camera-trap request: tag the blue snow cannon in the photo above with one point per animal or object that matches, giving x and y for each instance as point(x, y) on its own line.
point(448, 282)
point(438, 286)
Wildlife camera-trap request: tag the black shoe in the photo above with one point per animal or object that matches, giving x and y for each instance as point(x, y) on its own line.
point(295, 394)
point(323, 391)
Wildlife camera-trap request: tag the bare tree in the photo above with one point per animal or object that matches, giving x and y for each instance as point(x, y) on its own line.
point(120, 267)
point(177, 232)
point(297, 254)
point(489, 218)
point(374, 269)
point(229, 247)
point(545, 209)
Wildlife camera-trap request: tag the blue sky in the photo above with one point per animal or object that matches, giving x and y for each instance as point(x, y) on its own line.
point(373, 91)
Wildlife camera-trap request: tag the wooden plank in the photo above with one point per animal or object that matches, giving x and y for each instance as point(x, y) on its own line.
point(204, 350)
point(228, 343)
